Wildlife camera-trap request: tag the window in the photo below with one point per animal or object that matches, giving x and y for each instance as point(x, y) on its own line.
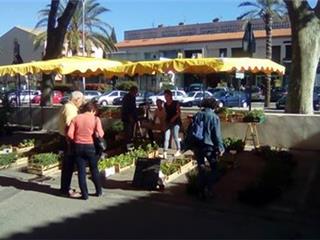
point(288, 52)
point(114, 94)
point(122, 94)
point(223, 52)
point(179, 94)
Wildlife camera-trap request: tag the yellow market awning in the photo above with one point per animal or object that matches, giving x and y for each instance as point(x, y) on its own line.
point(198, 66)
point(82, 66)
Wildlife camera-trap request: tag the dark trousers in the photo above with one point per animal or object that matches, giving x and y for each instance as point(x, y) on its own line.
point(206, 179)
point(84, 153)
point(128, 128)
point(67, 164)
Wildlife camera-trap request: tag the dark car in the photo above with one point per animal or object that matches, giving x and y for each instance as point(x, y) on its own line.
point(117, 101)
point(231, 98)
point(281, 103)
point(277, 93)
point(256, 94)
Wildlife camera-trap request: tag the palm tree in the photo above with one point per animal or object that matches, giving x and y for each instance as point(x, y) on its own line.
point(96, 31)
point(267, 10)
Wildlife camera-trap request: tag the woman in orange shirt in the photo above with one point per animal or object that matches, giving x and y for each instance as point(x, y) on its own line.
point(81, 131)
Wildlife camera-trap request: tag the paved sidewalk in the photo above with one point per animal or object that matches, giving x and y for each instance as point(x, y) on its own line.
point(31, 209)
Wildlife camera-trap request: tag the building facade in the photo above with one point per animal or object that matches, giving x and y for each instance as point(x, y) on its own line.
point(216, 39)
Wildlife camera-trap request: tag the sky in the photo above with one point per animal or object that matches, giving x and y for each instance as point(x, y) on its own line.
point(131, 14)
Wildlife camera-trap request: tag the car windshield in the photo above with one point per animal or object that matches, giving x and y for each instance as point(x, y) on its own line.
point(218, 94)
point(191, 94)
point(107, 92)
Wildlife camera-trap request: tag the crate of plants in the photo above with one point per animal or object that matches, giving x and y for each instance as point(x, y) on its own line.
point(44, 163)
point(150, 150)
point(256, 115)
point(12, 160)
point(107, 166)
point(7, 160)
point(6, 149)
point(173, 170)
point(25, 146)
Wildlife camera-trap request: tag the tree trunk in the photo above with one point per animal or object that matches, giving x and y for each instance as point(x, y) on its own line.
point(268, 28)
point(55, 38)
point(305, 27)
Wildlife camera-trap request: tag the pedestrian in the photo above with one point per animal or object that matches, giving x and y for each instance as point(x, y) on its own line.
point(81, 131)
point(67, 113)
point(129, 114)
point(159, 119)
point(173, 123)
point(207, 124)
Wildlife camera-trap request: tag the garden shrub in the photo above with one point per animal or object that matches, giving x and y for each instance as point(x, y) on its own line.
point(7, 159)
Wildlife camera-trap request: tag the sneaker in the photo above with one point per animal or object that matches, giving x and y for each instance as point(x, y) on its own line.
point(177, 154)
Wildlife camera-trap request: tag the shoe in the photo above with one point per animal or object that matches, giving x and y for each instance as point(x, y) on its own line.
point(98, 194)
point(177, 154)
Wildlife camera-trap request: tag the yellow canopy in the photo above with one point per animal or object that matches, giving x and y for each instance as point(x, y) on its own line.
point(82, 66)
point(197, 66)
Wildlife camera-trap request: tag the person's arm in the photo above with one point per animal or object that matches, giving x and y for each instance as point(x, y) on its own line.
point(217, 135)
point(70, 113)
point(71, 130)
point(178, 113)
point(99, 127)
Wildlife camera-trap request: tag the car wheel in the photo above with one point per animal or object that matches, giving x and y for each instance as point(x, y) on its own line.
point(244, 105)
point(104, 103)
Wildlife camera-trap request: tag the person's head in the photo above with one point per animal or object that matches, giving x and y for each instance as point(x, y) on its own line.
point(133, 90)
point(90, 107)
point(77, 98)
point(209, 103)
point(159, 103)
point(168, 95)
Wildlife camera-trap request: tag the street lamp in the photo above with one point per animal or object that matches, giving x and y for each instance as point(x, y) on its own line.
point(83, 39)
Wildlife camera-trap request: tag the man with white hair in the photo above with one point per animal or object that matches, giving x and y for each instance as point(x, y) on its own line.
point(68, 112)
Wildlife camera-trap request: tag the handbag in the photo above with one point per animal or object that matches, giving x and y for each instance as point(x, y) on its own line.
point(99, 143)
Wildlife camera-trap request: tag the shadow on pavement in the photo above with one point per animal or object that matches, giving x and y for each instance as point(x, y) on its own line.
point(28, 186)
point(147, 218)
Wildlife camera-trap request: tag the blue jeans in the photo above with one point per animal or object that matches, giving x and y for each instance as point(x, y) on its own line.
point(206, 180)
point(175, 129)
point(83, 153)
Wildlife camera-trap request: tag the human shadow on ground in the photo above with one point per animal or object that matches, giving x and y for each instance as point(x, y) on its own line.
point(28, 186)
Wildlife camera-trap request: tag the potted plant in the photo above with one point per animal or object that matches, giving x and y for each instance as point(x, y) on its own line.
point(107, 166)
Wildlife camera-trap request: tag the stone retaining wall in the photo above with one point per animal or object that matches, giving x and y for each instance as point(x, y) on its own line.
point(283, 130)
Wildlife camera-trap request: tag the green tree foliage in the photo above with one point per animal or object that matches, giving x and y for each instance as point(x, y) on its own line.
point(96, 31)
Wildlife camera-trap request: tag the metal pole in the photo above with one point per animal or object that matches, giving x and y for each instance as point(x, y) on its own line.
point(83, 39)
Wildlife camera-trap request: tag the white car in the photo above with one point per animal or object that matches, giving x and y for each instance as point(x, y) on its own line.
point(194, 97)
point(89, 94)
point(177, 95)
point(108, 97)
point(25, 96)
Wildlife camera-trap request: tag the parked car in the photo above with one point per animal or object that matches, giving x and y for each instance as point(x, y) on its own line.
point(281, 103)
point(231, 99)
point(25, 96)
point(177, 95)
point(195, 87)
point(277, 93)
point(141, 98)
point(218, 89)
point(56, 98)
point(90, 94)
point(256, 94)
point(194, 98)
point(108, 97)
